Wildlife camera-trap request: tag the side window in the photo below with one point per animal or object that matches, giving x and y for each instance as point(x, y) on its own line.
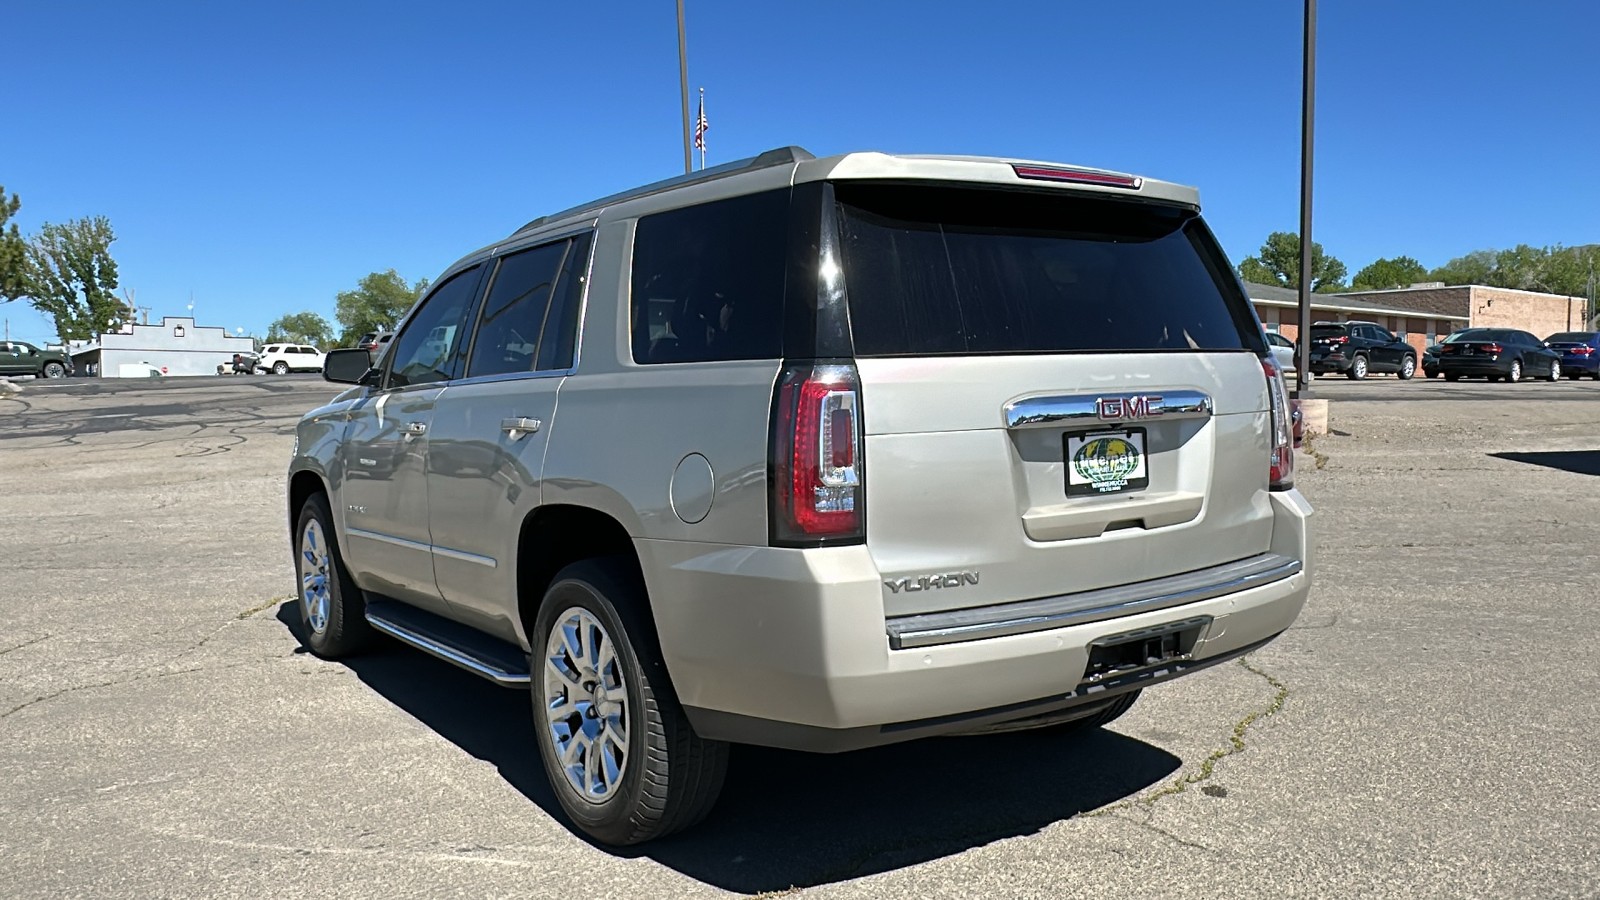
point(514, 311)
point(425, 351)
point(560, 336)
point(708, 281)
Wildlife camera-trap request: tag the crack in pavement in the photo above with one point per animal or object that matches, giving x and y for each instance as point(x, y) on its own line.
point(1148, 825)
point(28, 643)
point(1208, 767)
point(147, 671)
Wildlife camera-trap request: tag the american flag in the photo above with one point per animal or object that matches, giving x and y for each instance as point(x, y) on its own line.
point(701, 125)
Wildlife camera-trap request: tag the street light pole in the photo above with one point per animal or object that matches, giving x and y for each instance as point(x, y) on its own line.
point(1307, 116)
point(683, 86)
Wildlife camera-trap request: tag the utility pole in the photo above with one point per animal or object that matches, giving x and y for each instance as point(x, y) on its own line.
point(1307, 116)
point(683, 88)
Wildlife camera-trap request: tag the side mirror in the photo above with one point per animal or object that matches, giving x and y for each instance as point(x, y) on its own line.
point(347, 366)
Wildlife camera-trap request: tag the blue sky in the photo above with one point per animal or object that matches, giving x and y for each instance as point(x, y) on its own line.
point(266, 156)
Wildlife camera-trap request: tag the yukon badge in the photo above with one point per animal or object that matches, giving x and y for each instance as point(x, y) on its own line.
point(931, 582)
point(1135, 407)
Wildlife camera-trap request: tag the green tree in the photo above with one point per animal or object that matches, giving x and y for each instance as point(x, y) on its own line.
point(1474, 268)
point(69, 275)
point(1279, 264)
point(301, 328)
point(1383, 274)
point(378, 303)
point(13, 249)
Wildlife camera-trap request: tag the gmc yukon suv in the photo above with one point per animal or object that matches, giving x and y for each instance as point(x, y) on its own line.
point(811, 453)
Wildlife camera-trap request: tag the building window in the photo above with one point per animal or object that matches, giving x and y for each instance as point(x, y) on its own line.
point(177, 331)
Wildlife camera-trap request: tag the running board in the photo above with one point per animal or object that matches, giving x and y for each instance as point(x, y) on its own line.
point(478, 653)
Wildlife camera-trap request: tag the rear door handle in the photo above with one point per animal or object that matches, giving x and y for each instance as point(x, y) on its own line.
point(517, 426)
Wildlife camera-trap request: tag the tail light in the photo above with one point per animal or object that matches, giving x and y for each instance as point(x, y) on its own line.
point(1492, 348)
point(1341, 339)
point(1582, 350)
point(816, 466)
point(1281, 469)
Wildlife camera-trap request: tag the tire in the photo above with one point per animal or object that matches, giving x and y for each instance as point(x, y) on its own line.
point(53, 369)
point(1102, 718)
point(1433, 374)
point(1555, 372)
point(1408, 368)
point(327, 595)
point(1597, 374)
point(1515, 375)
point(1358, 369)
point(668, 777)
point(280, 368)
point(1452, 376)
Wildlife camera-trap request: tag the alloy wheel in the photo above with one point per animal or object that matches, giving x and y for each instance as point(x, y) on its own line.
point(315, 564)
point(586, 705)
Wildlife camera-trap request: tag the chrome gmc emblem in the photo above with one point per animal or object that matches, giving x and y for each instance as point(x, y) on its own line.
point(1128, 407)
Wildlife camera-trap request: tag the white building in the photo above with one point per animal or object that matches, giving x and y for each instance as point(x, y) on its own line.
point(176, 347)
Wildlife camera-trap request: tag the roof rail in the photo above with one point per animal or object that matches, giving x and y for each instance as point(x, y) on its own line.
point(779, 157)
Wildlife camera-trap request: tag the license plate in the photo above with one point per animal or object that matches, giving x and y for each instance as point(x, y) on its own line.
point(1106, 462)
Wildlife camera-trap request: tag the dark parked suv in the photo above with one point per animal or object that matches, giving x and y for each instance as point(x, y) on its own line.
point(1356, 348)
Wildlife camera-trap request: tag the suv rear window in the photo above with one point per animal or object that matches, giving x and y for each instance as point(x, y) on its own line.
point(962, 271)
point(1327, 331)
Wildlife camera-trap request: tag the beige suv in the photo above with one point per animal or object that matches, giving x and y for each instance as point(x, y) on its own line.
point(811, 453)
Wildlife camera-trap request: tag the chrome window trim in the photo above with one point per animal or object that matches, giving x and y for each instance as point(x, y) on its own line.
point(1045, 412)
point(929, 629)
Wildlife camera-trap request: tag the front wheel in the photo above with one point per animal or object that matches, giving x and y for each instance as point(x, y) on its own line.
point(1555, 371)
point(623, 760)
point(332, 610)
point(54, 370)
point(1408, 368)
point(1515, 375)
point(1358, 369)
point(280, 368)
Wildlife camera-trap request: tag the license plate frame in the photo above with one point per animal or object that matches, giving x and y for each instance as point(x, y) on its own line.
point(1104, 469)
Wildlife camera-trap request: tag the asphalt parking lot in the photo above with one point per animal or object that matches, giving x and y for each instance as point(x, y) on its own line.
point(1430, 727)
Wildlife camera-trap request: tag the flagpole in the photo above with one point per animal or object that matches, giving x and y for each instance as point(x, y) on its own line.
point(702, 137)
point(683, 89)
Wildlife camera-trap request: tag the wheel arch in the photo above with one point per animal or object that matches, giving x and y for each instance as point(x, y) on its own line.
point(554, 536)
point(302, 485)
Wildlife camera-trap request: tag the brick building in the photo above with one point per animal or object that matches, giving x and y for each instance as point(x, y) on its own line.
point(1489, 307)
point(1279, 310)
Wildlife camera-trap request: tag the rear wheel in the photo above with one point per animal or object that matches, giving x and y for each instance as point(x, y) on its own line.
point(1451, 376)
point(1408, 368)
point(619, 752)
point(1515, 375)
point(280, 368)
point(54, 370)
point(1358, 369)
point(1555, 372)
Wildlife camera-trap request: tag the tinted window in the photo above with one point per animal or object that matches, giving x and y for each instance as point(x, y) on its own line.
point(1471, 334)
point(959, 271)
point(1525, 338)
point(559, 338)
point(514, 311)
point(1571, 337)
point(708, 281)
point(425, 351)
point(1322, 332)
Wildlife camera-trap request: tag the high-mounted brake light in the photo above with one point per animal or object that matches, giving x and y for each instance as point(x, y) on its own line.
point(1078, 176)
point(816, 486)
point(1281, 467)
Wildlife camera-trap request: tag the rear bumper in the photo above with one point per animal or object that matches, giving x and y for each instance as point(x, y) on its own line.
point(1588, 365)
point(791, 648)
point(1475, 367)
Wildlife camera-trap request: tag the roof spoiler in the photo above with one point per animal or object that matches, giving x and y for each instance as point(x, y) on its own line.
point(780, 157)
